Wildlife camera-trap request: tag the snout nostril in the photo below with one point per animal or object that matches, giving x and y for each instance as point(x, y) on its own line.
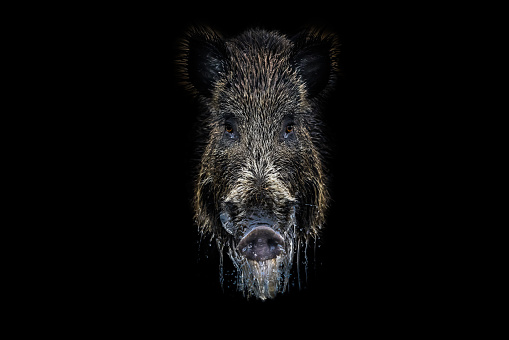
point(261, 244)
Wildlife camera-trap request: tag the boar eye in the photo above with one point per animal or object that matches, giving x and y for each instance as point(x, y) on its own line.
point(228, 128)
point(288, 131)
point(230, 131)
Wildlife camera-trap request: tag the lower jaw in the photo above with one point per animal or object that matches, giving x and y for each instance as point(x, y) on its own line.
point(263, 279)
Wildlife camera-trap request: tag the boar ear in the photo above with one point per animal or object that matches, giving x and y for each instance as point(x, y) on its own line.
point(315, 60)
point(202, 60)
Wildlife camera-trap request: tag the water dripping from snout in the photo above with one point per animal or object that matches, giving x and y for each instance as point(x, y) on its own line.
point(306, 258)
point(303, 245)
point(298, 264)
point(220, 247)
point(240, 278)
point(203, 252)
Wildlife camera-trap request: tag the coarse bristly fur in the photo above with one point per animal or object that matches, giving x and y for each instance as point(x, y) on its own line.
point(263, 155)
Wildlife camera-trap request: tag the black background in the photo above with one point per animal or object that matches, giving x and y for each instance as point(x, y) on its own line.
point(144, 259)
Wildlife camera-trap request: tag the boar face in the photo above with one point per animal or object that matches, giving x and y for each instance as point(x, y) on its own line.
point(261, 190)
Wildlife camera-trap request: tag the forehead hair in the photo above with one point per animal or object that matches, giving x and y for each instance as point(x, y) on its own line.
point(259, 77)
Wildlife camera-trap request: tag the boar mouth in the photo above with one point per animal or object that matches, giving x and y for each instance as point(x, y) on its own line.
point(261, 243)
